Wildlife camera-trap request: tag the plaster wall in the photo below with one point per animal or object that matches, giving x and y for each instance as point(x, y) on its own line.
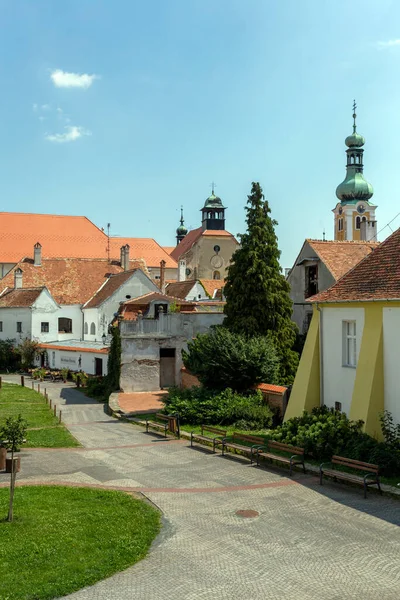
point(338, 380)
point(59, 359)
point(9, 318)
point(391, 331)
point(4, 269)
point(198, 258)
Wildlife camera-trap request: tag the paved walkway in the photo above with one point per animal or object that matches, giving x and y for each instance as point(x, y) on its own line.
point(304, 542)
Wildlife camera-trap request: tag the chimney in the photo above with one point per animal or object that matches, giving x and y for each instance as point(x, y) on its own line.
point(126, 258)
point(18, 279)
point(363, 231)
point(162, 276)
point(37, 255)
point(182, 270)
point(122, 256)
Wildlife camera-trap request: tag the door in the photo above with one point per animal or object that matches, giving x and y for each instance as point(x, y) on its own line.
point(98, 366)
point(167, 367)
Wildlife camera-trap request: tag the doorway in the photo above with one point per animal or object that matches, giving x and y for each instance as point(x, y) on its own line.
point(167, 367)
point(98, 366)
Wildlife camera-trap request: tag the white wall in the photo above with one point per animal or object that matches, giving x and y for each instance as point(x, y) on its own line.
point(339, 380)
point(58, 359)
point(138, 285)
point(391, 333)
point(5, 268)
point(9, 318)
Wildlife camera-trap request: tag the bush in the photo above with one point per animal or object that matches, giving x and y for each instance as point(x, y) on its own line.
point(96, 387)
point(199, 405)
point(27, 350)
point(222, 359)
point(325, 432)
point(9, 359)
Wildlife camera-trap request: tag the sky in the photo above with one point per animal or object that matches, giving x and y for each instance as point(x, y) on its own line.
point(123, 111)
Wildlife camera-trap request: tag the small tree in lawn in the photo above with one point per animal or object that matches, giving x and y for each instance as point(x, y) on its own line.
point(12, 434)
point(257, 294)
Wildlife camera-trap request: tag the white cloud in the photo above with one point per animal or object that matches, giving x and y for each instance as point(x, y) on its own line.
point(63, 79)
point(388, 44)
point(71, 134)
point(45, 107)
point(34, 107)
point(59, 110)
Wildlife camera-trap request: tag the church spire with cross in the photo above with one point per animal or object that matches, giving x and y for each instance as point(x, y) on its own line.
point(181, 231)
point(354, 214)
point(213, 212)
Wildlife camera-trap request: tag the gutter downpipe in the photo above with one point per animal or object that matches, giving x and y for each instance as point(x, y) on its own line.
point(321, 359)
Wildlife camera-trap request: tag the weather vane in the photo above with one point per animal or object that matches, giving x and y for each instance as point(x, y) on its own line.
point(354, 116)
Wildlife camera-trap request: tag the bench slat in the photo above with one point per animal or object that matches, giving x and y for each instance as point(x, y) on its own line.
point(285, 447)
point(248, 438)
point(355, 464)
point(213, 430)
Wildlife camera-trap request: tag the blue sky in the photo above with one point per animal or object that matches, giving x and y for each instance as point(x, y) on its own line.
point(165, 96)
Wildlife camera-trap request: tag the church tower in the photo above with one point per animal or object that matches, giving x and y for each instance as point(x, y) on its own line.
point(213, 213)
point(181, 231)
point(354, 214)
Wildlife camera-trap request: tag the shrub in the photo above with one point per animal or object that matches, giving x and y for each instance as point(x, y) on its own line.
point(96, 387)
point(64, 373)
point(80, 378)
point(27, 350)
point(9, 359)
point(200, 405)
point(222, 359)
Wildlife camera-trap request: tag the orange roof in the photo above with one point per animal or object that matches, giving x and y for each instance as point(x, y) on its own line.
point(193, 236)
point(76, 237)
point(74, 348)
point(19, 298)
point(169, 249)
point(271, 389)
point(211, 285)
point(180, 289)
point(340, 257)
point(376, 277)
point(110, 286)
point(69, 280)
point(146, 248)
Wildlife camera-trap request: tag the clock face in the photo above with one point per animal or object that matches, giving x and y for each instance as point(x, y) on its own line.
point(216, 261)
point(361, 208)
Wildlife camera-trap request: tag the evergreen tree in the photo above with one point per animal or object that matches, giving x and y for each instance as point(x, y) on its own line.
point(257, 294)
point(114, 361)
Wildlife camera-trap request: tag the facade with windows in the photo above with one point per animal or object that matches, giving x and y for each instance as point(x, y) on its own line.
point(350, 358)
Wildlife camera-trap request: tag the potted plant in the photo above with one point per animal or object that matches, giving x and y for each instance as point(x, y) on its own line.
point(64, 374)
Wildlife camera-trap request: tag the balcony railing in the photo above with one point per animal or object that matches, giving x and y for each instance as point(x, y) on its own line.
point(148, 327)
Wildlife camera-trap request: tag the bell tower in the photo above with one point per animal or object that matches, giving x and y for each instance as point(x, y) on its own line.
point(213, 213)
point(354, 214)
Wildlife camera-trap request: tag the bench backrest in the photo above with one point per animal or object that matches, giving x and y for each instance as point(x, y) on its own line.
point(284, 447)
point(162, 417)
point(354, 464)
point(251, 439)
point(215, 430)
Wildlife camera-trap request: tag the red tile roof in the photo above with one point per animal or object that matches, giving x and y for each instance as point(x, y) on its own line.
point(145, 248)
point(180, 289)
point(69, 280)
point(376, 277)
point(108, 288)
point(169, 249)
point(19, 298)
point(151, 296)
point(74, 348)
point(193, 236)
point(271, 389)
point(340, 257)
point(76, 237)
point(212, 285)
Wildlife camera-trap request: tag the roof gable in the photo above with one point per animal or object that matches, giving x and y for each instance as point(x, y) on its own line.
point(19, 298)
point(186, 243)
point(339, 257)
point(180, 289)
point(113, 284)
point(376, 277)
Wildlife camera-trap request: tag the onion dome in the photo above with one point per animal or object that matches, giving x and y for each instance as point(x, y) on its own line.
point(213, 201)
point(354, 187)
point(181, 230)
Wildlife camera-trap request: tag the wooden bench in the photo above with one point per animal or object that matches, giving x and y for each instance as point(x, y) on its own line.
point(270, 451)
point(248, 444)
point(160, 422)
point(367, 470)
point(219, 435)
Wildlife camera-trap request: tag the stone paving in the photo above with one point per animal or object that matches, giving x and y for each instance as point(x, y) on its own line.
point(307, 542)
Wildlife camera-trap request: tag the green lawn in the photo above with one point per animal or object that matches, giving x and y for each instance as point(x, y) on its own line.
point(63, 539)
point(15, 400)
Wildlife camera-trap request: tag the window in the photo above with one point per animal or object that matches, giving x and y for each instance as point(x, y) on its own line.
point(64, 325)
point(86, 329)
point(216, 275)
point(340, 224)
point(1, 325)
point(92, 329)
point(311, 273)
point(44, 327)
point(358, 222)
point(349, 344)
point(19, 326)
point(338, 406)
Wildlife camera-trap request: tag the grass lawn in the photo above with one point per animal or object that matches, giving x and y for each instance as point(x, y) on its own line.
point(15, 400)
point(63, 539)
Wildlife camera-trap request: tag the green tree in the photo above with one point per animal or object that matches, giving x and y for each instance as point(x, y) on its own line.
point(222, 359)
point(257, 294)
point(27, 350)
point(12, 436)
point(114, 361)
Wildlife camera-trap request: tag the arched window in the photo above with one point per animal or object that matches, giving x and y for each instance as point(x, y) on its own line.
point(364, 219)
point(358, 222)
point(210, 215)
point(216, 275)
point(86, 329)
point(64, 325)
point(92, 329)
point(340, 224)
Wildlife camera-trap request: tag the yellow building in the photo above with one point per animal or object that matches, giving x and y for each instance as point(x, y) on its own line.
point(350, 358)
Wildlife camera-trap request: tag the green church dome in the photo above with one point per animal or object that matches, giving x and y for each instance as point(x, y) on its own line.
point(213, 201)
point(181, 230)
point(354, 187)
point(355, 140)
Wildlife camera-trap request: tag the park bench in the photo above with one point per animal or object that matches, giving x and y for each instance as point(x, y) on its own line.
point(248, 444)
point(219, 434)
point(165, 423)
point(367, 470)
point(291, 455)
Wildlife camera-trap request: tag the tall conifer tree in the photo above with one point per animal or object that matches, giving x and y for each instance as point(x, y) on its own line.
point(257, 294)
